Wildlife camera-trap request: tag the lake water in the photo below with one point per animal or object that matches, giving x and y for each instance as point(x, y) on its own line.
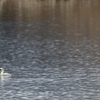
point(51, 48)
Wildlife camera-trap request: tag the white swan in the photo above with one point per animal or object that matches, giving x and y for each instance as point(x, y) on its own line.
point(4, 74)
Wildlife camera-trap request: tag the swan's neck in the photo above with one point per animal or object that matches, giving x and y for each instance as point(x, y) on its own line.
point(2, 71)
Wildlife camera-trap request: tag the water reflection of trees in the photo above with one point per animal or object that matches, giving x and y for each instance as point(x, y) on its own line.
point(78, 15)
point(36, 7)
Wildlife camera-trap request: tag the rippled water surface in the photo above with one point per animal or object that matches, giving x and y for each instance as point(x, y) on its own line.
point(51, 48)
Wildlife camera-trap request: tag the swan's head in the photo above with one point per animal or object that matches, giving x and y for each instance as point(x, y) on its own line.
point(2, 69)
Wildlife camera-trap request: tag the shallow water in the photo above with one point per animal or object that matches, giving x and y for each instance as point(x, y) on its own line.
point(51, 48)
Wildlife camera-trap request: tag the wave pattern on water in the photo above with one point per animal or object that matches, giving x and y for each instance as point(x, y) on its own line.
point(51, 48)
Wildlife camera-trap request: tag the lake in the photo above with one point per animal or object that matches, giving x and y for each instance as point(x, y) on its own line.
point(51, 48)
